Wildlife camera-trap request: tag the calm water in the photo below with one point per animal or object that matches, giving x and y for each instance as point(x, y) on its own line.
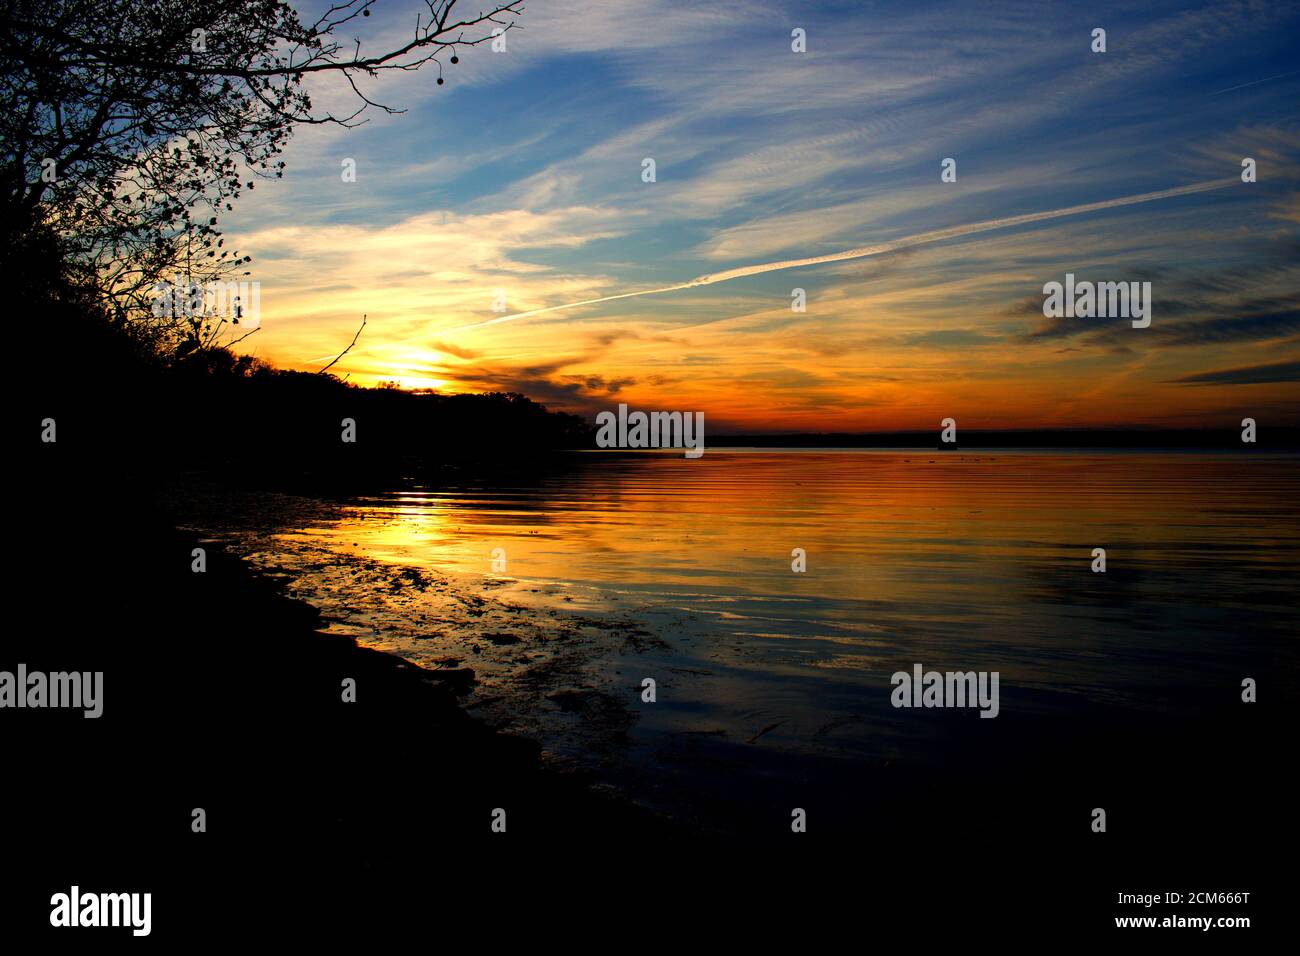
point(624, 567)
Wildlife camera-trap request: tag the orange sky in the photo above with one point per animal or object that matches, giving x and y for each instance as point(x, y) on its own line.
point(524, 177)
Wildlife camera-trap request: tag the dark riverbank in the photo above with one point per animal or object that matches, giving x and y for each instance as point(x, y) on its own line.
point(227, 681)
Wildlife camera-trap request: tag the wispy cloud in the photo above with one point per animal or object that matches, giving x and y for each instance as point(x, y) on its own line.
point(893, 245)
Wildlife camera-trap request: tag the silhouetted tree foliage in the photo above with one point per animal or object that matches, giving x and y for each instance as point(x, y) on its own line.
point(127, 128)
point(130, 126)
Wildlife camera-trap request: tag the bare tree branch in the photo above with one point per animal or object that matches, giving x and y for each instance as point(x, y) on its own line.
point(346, 350)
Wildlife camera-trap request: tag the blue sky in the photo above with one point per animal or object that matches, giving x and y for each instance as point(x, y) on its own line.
point(523, 174)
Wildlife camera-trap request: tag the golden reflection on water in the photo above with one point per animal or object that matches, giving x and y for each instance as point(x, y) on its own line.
point(875, 525)
point(973, 561)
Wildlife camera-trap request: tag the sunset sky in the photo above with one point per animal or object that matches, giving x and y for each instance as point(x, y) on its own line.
point(523, 173)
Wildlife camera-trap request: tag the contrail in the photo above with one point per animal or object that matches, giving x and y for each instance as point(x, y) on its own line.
point(1242, 86)
point(937, 235)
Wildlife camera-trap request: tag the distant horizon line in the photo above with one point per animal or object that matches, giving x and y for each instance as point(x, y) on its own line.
point(1019, 429)
point(1131, 436)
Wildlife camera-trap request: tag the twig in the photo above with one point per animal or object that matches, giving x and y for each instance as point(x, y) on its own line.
point(241, 338)
point(346, 350)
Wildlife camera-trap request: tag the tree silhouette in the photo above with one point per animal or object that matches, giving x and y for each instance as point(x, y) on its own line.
point(129, 126)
